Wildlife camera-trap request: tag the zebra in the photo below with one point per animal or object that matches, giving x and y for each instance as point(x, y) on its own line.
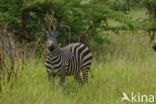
point(154, 46)
point(71, 60)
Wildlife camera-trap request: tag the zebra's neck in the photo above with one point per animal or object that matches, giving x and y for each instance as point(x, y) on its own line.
point(55, 53)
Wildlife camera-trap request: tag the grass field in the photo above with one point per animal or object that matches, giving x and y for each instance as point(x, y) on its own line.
point(126, 64)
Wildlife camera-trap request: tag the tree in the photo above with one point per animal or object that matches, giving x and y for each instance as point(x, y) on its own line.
point(27, 18)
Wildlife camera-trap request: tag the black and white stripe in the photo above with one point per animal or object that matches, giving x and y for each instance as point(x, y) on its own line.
point(68, 61)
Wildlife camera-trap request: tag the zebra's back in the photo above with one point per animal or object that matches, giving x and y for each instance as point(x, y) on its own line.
point(81, 54)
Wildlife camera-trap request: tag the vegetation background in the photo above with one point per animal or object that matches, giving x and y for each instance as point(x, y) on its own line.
point(120, 34)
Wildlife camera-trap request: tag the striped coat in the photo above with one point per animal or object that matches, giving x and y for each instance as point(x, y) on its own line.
point(70, 60)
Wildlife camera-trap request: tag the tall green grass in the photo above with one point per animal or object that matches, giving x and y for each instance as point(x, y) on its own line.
point(125, 64)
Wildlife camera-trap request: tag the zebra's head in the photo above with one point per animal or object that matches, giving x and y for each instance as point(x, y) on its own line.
point(154, 46)
point(51, 39)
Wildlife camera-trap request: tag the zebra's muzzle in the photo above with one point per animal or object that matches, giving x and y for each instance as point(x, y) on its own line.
point(51, 48)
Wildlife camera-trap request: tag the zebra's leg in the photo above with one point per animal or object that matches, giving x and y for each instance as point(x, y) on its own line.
point(85, 75)
point(78, 78)
point(62, 80)
point(51, 78)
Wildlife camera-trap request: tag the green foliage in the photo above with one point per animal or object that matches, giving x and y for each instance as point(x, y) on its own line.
point(26, 18)
point(126, 5)
point(151, 8)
